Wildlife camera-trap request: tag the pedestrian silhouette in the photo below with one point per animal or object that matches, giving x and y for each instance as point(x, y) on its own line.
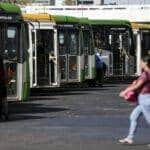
point(3, 91)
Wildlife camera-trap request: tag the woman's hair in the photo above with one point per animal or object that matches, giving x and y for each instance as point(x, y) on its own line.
point(146, 59)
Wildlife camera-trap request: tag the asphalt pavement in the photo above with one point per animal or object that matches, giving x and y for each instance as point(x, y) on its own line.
point(71, 119)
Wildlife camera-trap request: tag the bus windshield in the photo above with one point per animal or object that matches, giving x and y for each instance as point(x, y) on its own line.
point(11, 43)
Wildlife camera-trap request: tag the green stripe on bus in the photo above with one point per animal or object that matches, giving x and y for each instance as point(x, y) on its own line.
point(65, 19)
point(111, 22)
point(10, 8)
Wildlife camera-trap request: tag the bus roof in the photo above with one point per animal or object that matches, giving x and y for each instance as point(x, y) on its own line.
point(65, 19)
point(43, 17)
point(9, 8)
point(111, 22)
point(136, 25)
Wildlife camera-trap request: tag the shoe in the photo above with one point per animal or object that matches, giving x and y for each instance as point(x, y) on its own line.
point(126, 141)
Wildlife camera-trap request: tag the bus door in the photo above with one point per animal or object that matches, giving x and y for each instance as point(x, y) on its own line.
point(125, 61)
point(44, 58)
point(145, 42)
point(11, 48)
point(73, 50)
point(87, 51)
point(62, 46)
point(118, 53)
point(33, 62)
point(68, 50)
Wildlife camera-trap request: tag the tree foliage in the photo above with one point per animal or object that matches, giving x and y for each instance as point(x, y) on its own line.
point(69, 2)
point(19, 1)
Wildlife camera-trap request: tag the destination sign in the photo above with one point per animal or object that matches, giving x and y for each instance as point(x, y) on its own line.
point(8, 17)
point(67, 25)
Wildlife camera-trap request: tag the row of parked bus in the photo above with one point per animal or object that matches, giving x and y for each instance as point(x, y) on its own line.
point(42, 50)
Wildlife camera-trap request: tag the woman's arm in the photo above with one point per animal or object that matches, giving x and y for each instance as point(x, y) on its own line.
point(135, 86)
point(132, 87)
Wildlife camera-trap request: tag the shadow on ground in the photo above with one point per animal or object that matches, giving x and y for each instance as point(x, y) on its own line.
point(31, 108)
point(28, 110)
point(68, 91)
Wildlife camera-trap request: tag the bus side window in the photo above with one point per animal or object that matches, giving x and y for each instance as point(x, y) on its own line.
point(26, 37)
point(25, 41)
point(1, 40)
point(33, 42)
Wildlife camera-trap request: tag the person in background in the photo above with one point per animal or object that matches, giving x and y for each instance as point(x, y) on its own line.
point(3, 92)
point(99, 68)
point(142, 85)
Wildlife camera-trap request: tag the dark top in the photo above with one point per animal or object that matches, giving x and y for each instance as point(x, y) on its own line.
point(99, 61)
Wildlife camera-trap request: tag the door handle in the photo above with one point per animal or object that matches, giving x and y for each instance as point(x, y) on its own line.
point(52, 58)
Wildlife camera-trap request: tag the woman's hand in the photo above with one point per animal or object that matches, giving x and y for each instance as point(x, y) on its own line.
point(123, 94)
point(129, 88)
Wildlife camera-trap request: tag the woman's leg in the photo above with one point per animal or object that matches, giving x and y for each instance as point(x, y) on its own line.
point(144, 101)
point(133, 121)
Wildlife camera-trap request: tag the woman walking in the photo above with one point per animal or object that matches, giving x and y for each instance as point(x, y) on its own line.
point(142, 85)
